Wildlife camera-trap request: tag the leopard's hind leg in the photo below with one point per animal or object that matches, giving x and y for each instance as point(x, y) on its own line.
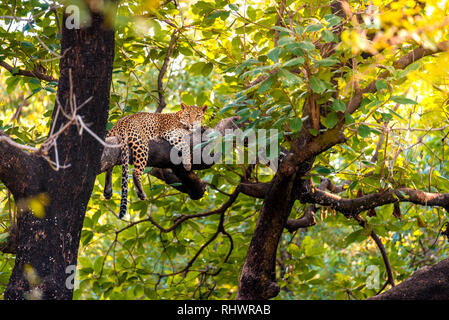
point(140, 156)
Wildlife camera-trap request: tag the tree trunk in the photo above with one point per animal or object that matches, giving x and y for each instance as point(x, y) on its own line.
point(257, 279)
point(48, 245)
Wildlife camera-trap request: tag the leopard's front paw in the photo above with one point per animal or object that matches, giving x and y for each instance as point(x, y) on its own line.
point(142, 196)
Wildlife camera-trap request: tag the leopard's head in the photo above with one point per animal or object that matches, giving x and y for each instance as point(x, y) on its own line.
point(191, 116)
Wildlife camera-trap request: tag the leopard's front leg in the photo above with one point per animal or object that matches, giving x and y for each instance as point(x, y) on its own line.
point(178, 138)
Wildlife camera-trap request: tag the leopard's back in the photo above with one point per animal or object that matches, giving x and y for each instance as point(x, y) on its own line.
point(146, 125)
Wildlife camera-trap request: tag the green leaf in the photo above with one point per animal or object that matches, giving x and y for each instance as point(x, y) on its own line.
point(26, 44)
point(330, 120)
point(273, 54)
point(98, 264)
point(11, 83)
point(364, 131)
point(197, 68)
point(381, 85)
point(207, 69)
point(349, 119)
point(332, 19)
point(314, 27)
point(403, 100)
point(395, 113)
point(295, 124)
point(326, 62)
point(265, 85)
point(289, 77)
point(324, 170)
point(338, 105)
point(356, 236)
point(294, 62)
point(4, 236)
point(234, 7)
point(187, 98)
point(307, 45)
point(317, 85)
point(328, 36)
point(281, 29)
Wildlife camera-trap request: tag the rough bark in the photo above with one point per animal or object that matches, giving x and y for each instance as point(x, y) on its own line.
point(48, 245)
point(428, 283)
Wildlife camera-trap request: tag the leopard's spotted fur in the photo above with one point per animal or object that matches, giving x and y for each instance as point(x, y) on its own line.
point(134, 132)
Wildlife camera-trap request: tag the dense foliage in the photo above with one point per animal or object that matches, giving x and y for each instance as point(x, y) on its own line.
point(261, 60)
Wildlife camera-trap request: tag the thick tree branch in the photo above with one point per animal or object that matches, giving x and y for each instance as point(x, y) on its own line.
point(352, 207)
point(306, 220)
point(17, 167)
point(255, 190)
point(428, 283)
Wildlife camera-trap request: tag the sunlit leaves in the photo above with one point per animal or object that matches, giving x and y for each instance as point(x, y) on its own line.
point(403, 100)
point(226, 57)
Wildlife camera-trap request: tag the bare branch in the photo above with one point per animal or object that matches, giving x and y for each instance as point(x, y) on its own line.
point(354, 206)
point(27, 73)
point(160, 78)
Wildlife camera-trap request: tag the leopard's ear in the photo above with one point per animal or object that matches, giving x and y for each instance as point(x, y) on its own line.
point(183, 106)
point(204, 108)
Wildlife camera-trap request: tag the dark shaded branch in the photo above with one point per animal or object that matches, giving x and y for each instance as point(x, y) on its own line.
point(319, 144)
point(181, 180)
point(255, 190)
point(17, 167)
point(306, 220)
point(27, 73)
point(428, 283)
point(160, 78)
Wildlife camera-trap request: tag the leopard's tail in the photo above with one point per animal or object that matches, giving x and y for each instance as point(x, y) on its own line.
point(125, 169)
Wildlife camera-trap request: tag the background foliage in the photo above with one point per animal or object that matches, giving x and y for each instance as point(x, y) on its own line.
point(223, 51)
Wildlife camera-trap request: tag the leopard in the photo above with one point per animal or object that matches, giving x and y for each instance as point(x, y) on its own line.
point(134, 132)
